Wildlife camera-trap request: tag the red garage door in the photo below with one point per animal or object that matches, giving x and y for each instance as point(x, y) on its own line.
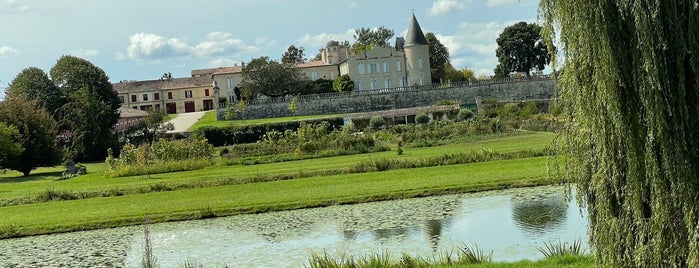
point(188, 106)
point(171, 107)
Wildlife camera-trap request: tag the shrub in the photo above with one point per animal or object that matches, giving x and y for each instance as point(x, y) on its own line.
point(528, 109)
point(446, 102)
point(160, 157)
point(222, 136)
point(551, 249)
point(377, 122)
point(508, 110)
point(465, 114)
point(422, 118)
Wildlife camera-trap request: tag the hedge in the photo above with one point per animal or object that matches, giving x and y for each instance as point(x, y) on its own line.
point(222, 136)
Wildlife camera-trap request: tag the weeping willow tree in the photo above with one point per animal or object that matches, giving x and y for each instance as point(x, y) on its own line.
point(629, 81)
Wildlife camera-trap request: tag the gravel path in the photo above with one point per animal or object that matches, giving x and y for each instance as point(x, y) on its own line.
point(183, 121)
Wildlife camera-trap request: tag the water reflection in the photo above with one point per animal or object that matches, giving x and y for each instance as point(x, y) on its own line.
point(512, 223)
point(433, 231)
point(539, 215)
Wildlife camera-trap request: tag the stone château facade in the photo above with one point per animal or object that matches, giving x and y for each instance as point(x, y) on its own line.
point(404, 64)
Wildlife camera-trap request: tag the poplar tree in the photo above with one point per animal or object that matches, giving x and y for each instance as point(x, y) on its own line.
point(630, 84)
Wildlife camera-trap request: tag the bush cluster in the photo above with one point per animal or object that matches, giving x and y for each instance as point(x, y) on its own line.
point(159, 157)
point(222, 136)
point(308, 140)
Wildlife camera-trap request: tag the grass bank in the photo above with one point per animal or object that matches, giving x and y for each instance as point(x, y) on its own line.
point(227, 200)
point(15, 187)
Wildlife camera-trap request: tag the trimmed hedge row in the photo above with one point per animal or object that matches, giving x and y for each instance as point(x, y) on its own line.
point(218, 136)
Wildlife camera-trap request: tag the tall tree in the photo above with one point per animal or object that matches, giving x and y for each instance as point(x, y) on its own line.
point(521, 49)
point(10, 146)
point(468, 74)
point(439, 57)
point(343, 83)
point(366, 38)
point(37, 130)
point(92, 107)
point(631, 90)
point(35, 84)
point(294, 55)
point(271, 78)
point(453, 75)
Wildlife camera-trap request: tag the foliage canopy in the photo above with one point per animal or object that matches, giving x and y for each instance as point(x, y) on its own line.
point(294, 55)
point(631, 89)
point(35, 84)
point(521, 49)
point(37, 133)
point(91, 109)
point(270, 78)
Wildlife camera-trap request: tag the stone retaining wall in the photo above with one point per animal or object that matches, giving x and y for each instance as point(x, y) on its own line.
point(398, 98)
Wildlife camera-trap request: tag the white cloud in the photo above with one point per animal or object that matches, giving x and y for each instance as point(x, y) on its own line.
point(85, 53)
point(353, 4)
point(441, 7)
point(152, 47)
point(221, 62)
point(6, 51)
point(319, 40)
point(12, 6)
point(494, 3)
point(473, 45)
point(145, 46)
point(221, 43)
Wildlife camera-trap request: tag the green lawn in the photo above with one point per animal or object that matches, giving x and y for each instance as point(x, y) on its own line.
point(12, 185)
point(209, 119)
point(312, 190)
point(276, 195)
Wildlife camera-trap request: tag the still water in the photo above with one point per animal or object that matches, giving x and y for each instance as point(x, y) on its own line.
point(511, 223)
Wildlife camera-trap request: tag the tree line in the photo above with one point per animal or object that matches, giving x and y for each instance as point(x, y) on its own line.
point(67, 116)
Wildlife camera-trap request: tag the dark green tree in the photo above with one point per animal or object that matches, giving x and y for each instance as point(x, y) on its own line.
point(439, 58)
point(453, 75)
point(294, 55)
point(366, 38)
point(343, 83)
point(521, 49)
point(10, 146)
point(271, 78)
point(317, 86)
point(91, 109)
point(631, 93)
point(35, 84)
point(38, 133)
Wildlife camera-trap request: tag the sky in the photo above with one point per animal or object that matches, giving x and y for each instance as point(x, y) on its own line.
point(141, 40)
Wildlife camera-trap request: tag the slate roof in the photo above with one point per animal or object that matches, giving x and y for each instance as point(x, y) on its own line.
point(415, 35)
point(219, 70)
point(174, 83)
point(311, 64)
point(127, 112)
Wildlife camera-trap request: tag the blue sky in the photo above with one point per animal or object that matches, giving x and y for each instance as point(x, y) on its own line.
point(139, 40)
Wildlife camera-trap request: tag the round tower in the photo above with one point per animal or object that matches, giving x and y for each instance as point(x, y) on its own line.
point(417, 55)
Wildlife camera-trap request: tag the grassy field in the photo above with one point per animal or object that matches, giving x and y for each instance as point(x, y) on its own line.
point(12, 185)
point(209, 119)
point(316, 189)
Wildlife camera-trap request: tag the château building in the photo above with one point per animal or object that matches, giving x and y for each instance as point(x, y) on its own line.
point(406, 63)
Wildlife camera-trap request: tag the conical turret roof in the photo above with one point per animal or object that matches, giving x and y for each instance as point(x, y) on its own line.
point(415, 35)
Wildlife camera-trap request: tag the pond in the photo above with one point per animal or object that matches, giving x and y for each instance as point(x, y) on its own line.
point(511, 223)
